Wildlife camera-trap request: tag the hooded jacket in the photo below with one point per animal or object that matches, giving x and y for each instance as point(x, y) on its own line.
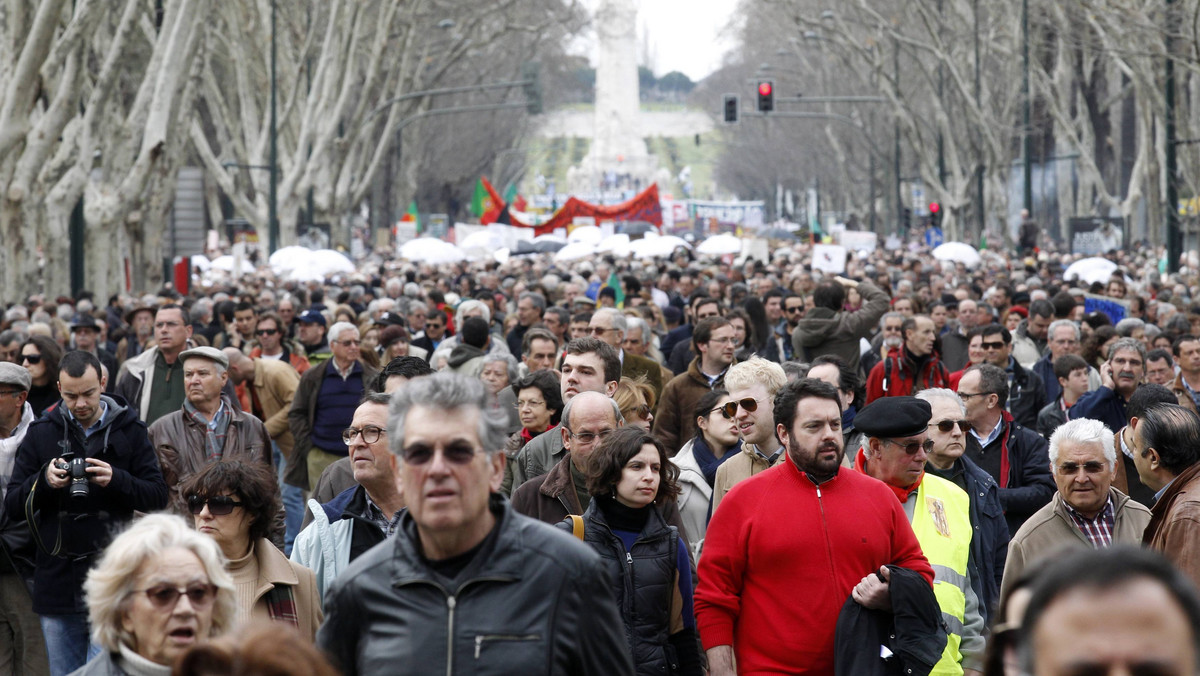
point(466, 359)
point(81, 526)
point(338, 535)
point(824, 331)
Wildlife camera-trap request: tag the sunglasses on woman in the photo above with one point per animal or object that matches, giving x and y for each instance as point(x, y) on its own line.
point(219, 505)
point(730, 408)
point(642, 411)
point(32, 358)
point(165, 596)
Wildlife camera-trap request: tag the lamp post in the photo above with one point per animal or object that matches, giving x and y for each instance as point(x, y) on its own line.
point(1174, 237)
point(273, 160)
point(1026, 136)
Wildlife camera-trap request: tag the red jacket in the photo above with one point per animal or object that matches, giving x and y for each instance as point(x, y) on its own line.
point(894, 376)
point(781, 556)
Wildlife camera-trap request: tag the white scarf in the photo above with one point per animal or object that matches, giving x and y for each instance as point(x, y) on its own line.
point(8, 448)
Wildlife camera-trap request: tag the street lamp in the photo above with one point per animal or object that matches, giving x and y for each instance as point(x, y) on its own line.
point(273, 161)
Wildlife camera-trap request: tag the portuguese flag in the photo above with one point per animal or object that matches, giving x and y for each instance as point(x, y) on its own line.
point(481, 201)
point(412, 216)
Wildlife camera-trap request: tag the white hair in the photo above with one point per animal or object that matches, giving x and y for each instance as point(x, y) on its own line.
point(944, 394)
point(335, 331)
point(1083, 431)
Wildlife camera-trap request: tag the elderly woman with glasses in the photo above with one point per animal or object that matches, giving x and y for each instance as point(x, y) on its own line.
point(539, 406)
point(234, 503)
point(159, 589)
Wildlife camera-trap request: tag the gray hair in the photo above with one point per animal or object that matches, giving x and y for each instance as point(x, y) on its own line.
point(1127, 326)
point(640, 324)
point(617, 317)
point(538, 300)
point(1083, 431)
point(1059, 323)
point(447, 392)
point(935, 393)
point(1128, 344)
point(889, 315)
point(566, 412)
point(11, 336)
point(335, 331)
point(509, 361)
point(471, 306)
point(110, 584)
point(202, 310)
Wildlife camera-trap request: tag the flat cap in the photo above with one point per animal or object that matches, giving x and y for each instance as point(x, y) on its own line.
point(11, 374)
point(205, 352)
point(892, 417)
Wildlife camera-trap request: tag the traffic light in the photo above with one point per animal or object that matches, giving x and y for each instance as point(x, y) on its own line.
point(906, 220)
point(731, 108)
point(935, 215)
point(530, 73)
point(766, 96)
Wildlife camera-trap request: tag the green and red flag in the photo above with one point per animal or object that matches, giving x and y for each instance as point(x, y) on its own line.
point(412, 216)
point(481, 201)
point(615, 283)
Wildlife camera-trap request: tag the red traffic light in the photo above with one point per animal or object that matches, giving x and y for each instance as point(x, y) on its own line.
point(764, 88)
point(934, 207)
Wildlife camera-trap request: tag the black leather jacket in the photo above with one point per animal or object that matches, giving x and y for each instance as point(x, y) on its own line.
point(533, 601)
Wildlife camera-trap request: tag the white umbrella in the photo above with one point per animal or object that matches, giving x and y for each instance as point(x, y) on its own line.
point(717, 245)
point(289, 258)
point(1090, 270)
point(957, 252)
point(329, 262)
point(431, 250)
point(618, 244)
point(585, 233)
point(575, 251)
point(225, 263)
point(200, 261)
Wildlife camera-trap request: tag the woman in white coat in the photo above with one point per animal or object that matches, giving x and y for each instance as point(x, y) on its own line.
point(715, 442)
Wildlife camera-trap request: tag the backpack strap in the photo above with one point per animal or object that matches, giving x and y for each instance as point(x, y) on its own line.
point(576, 525)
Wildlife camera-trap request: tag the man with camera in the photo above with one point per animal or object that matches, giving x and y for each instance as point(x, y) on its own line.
point(82, 470)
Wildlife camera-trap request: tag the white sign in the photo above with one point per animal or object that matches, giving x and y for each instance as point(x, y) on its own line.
point(857, 240)
point(829, 258)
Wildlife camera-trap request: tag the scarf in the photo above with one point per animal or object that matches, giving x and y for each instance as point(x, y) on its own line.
point(848, 419)
point(623, 517)
point(860, 465)
point(707, 461)
point(526, 436)
point(214, 434)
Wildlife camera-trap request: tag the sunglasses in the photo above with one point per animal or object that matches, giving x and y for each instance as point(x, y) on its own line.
point(795, 309)
point(32, 358)
point(266, 332)
point(456, 454)
point(219, 505)
point(731, 407)
point(995, 345)
point(370, 434)
point(642, 411)
point(946, 425)
point(724, 413)
point(164, 596)
point(914, 447)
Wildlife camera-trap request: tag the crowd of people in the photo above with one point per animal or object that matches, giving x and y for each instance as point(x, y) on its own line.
point(683, 466)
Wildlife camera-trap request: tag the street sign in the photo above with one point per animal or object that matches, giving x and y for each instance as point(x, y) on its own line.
point(934, 237)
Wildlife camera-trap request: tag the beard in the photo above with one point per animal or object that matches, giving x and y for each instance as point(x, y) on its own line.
point(812, 463)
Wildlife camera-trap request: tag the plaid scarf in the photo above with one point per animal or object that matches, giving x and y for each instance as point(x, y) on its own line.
point(281, 605)
point(214, 434)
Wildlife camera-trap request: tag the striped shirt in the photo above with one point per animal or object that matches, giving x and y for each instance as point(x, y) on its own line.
point(1099, 530)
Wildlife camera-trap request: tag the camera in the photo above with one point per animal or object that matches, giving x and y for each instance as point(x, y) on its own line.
point(77, 472)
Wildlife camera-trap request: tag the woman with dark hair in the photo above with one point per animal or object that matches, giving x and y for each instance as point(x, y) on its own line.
point(1095, 346)
point(539, 406)
point(627, 475)
point(40, 356)
point(234, 503)
point(759, 334)
point(743, 333)
point(715, 442)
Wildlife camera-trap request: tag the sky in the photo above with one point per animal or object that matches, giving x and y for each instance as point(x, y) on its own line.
point(683, 35)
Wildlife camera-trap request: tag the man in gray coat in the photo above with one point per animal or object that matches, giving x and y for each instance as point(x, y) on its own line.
point(828, 329)
point(465, 580)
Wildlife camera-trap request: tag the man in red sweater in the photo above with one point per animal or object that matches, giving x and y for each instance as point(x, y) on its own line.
point(772, 580)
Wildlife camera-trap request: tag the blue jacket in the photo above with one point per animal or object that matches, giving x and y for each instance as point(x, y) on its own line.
point(1029, 485)
point(1044, 368)
point(1102, 404)
point(990, 546)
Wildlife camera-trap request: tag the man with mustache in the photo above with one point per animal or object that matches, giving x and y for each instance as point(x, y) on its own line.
point(895, 452)
point(1119, 376)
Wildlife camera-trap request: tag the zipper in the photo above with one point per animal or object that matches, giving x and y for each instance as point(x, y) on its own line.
point(480, 638)
point(825, 529)
point(451, 601)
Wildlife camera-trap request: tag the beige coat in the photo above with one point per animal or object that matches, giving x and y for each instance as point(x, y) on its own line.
point(741, 466)
point(275, 569)
point(1050, 531)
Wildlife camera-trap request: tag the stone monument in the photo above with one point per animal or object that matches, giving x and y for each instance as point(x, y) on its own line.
point(617, 148)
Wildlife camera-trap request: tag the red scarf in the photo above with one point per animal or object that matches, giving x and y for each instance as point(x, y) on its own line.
point(526, 436)
point(860, 465)
point(1004, 466)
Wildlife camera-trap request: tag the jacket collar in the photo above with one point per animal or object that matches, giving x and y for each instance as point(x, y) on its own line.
point(560, 485)
point(505, 562)
point(273, 566)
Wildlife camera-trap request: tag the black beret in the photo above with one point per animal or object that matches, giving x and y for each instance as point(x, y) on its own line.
point(892, 417)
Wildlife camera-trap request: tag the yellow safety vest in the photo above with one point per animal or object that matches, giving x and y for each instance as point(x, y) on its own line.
point(942, 523)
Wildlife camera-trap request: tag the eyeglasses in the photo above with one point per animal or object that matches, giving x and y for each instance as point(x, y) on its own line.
point(724, 412)
point(457, 454)
point(731, 407)
point(266, 332)
point(218, 505)
point(370, 434)
point(14, 393)
point(166, 596)
point(599, 331)
point(532, 403)
point(1092, 467)
point(798, 308)
point(349, 343)
point(994, 345)
point(946, 425)
point(913, 447)
point(642, 411)
point(32, 358)
point(589, 437)
point(966, 396)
